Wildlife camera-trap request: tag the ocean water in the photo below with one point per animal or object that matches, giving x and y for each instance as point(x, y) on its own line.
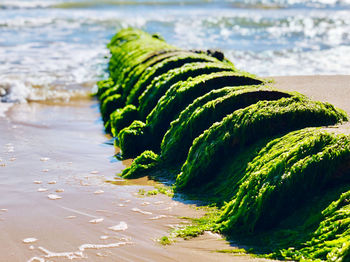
point(56, 49)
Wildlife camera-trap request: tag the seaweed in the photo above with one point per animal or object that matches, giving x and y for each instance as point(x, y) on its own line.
point(122, 118)
point(109, 105)
point(178, 97)
point(246, 126)
point(281, 182)
point(139, 82)
point(158, 87)
point(141, 165)
point(194, 120)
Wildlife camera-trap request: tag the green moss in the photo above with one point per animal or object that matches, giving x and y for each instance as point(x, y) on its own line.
point(104, 85)
point(246, 126)
point(198, 225)
point(165, 241)
point(159, 85)
point(232, 251)
point(109, 105)
point(300, 163)
point(122, 118)
point(130, 75)
point(132, 139)
point(141, 165)
point(114, 90)
point(179, 96)
point(194, 120)
point(137, 85)
point(284, 192)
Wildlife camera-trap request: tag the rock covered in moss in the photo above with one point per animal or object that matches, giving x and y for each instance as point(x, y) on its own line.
point(133, 139)
point(122, 118)
point(228, 138)
point(141, 166)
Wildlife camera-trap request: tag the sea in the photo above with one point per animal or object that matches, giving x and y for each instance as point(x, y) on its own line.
point(56, 49)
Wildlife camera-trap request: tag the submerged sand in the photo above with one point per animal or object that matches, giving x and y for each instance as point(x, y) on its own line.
point(55, 202)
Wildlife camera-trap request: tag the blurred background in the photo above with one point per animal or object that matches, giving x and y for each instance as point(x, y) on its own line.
point(55, 49)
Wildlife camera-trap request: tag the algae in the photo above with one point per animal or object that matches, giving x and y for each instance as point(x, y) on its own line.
point(281, 185)
point(122, 118)
point(177, 98)
point(246, 126)
point(194, 120)
point(137, 85)
point(158, 87)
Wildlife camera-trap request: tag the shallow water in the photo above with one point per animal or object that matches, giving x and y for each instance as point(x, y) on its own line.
point(55, 204)
point(55, 49)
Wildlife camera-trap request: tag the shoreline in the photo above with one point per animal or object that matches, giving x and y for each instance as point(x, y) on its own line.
point(71, 136)
point(55, 160)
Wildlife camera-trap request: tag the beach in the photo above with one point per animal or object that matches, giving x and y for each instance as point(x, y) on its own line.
point(58, 205)
point(57, 202)
point(62, 198)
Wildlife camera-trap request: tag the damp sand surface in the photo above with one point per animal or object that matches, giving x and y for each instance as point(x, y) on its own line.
point(56, 205)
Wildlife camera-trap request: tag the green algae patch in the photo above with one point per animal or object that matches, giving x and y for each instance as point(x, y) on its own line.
point(235, 251)
point(301, 163)
point(132, 93)
point(165, 241)
point(159, 85)
point(179, 96)
point(109, 105)
point(131, 139)
point(122, 118)
point(281, 183)
point(141, 165)
point(246, 126)
point(197, 118)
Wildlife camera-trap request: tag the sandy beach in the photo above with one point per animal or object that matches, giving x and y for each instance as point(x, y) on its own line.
point(56, 205)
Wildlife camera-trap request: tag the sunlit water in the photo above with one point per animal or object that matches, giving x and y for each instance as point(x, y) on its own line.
point(56, 49)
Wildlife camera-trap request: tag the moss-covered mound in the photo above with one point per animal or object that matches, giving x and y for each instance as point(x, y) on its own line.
point(246, 126)
point(204, 112)
point(281, 180)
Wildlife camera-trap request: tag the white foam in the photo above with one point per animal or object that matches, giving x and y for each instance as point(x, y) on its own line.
point(135, 209)
point(70, 217)
point(77, 254)
point(44, 159)
point(96, 220)
point(97, 192)
point(54, 197)
point(29, 240)
point(13, 90)
point(158, 217)
point(36, 259)
point(122, 226)
point(41, 189)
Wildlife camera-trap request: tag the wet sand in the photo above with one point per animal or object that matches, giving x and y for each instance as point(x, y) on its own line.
point(56, 205)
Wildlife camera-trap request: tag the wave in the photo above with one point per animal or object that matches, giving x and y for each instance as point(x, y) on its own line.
point(19, 91)
point(245, 4)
